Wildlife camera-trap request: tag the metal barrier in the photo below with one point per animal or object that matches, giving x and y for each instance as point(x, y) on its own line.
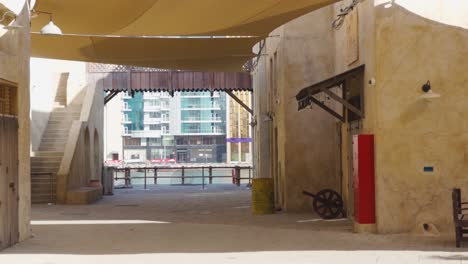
point(206, 174)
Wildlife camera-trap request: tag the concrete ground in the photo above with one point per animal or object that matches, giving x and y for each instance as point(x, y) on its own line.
point(187, 225)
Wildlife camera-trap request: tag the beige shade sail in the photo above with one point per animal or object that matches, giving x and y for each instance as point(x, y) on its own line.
point(173, 17)
point(15, 6)
point(204, 54)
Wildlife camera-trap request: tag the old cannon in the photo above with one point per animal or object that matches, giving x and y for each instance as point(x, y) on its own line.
point(327, 203)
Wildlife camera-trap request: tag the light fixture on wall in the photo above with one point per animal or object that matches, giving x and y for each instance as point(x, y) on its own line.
point(50, 28)
point(428, 93)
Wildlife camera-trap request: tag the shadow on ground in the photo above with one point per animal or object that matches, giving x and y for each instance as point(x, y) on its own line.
point(189, 220)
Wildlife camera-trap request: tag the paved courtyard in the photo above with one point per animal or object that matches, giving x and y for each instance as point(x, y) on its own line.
point(188, 225)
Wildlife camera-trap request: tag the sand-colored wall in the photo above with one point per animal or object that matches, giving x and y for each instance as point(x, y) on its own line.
point(46, 77)
point(412, 47)
point(307, 152)
point(403, 45)
point(113, 128)
point(83, 158)
point(14, 66)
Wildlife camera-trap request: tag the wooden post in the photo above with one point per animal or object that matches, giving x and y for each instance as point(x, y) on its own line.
point(145, 178)
point(203, 177)
point(155, 176)
point(183, 175)
point(210, 174)
point(238, 171)
point(128, 180)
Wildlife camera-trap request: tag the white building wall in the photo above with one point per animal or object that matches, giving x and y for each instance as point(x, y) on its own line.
point(113, 129)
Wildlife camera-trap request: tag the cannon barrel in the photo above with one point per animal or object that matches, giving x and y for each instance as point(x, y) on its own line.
point(308, 194)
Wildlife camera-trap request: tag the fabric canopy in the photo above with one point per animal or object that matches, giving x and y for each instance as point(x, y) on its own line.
point(173, 17)
point(15, 6)
point(204, 54)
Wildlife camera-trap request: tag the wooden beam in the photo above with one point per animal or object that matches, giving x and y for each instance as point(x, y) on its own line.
point(326, 108)
point(239, 101)
point(109, 97)
point(342, 101)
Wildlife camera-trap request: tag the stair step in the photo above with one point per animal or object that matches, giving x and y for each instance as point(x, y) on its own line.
point(45, 160)
point(48, 154)
point(45, 164)
point(44, 170)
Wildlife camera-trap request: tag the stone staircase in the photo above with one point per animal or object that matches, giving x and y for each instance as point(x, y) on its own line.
point(45, 162)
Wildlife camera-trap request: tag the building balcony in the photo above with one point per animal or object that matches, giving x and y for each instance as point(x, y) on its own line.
point(126, 122)
point(147, 133)
point(201, 107)
point(126, 109)
point(148, 109)
point(152, 121)
point(218, 120)
point(150, 96)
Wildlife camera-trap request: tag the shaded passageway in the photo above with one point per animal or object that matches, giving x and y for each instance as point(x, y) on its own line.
point(184, 224)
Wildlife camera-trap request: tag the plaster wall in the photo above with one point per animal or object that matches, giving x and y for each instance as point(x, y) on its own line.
point(416, 43)
point(88, 159)
point(83, 156)
point(113, 128)
point(297, 55)
point(403, 45)
point(14, 67)
point(46, 77)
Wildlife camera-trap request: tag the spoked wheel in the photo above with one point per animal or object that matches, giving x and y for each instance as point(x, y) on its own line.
point(328, 204)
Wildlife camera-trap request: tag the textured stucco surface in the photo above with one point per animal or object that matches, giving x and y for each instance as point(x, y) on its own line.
point(413, 132)
point(403, 45)
point(308, 141)
point(83, 157)
point(14, 67)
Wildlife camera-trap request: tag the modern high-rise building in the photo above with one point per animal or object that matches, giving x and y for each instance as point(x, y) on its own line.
point(188, 127)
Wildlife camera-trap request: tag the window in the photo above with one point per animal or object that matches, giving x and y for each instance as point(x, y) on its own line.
point(155, 115)
point(126, 106)
point(155, 127)
point(155, 141)
point(135, 156)
point(165, 117)
point(165, 129)
point(8, 98)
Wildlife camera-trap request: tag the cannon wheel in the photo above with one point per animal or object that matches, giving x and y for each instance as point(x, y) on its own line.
point(328, 204)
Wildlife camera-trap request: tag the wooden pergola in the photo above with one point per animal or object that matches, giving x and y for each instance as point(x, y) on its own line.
point(114, 79)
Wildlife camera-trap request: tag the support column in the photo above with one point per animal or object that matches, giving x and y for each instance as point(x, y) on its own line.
point(262, 185)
